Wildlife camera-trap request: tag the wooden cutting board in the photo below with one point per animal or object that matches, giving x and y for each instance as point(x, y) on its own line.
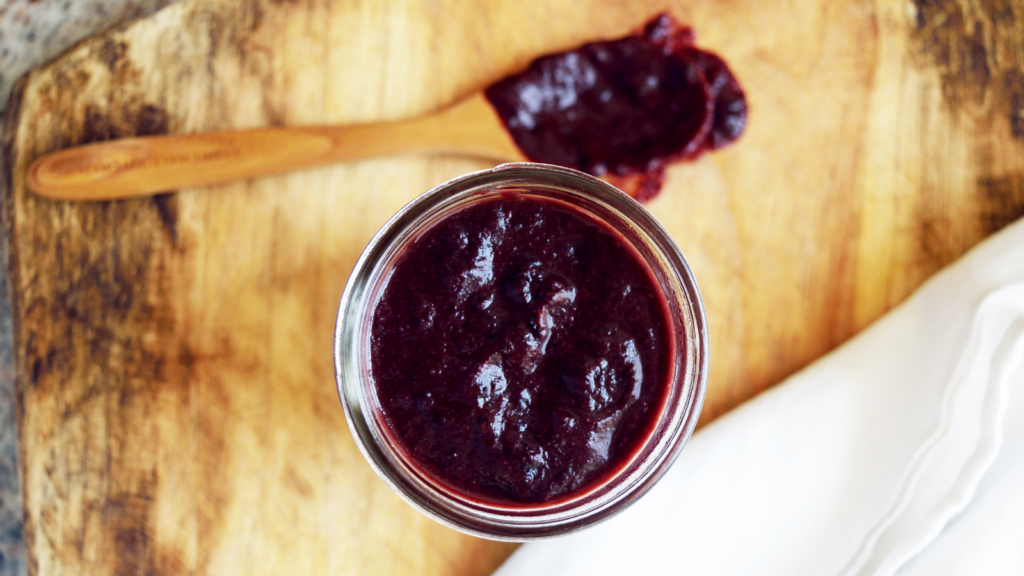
point(177, 407)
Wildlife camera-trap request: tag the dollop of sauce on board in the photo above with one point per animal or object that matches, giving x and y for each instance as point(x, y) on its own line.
point(625, 108)
point(520, 350)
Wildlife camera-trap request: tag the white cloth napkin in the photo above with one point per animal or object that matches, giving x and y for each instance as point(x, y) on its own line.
point(901, 451)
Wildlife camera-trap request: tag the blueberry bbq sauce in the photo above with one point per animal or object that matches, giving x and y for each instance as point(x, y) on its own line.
point(625, 108)
point(520, 350)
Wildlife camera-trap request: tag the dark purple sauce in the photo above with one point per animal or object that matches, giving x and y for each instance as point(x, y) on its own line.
point(520, 350)
point(625, 107)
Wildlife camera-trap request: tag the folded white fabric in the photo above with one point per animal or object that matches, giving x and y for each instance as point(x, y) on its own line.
point(901, 451)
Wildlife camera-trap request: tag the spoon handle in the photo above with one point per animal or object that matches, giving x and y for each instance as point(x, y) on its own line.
point(146, 165)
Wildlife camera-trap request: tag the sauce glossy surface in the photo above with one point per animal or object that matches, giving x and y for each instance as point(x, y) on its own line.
point(520, 350)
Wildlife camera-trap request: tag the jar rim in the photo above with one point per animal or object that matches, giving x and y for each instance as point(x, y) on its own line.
point(579, 509)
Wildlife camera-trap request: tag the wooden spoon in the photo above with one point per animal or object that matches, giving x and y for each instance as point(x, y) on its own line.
point(146, 165)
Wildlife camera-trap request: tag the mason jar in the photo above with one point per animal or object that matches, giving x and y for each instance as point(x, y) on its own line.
point(672, 422)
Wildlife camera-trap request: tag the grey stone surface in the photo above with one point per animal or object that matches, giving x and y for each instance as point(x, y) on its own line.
point(12, 552)
point(33, 32)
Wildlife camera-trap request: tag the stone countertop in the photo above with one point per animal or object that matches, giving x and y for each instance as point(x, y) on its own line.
point(31, 33)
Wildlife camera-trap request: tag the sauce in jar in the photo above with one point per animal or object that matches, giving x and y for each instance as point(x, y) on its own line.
point(521, 352)
point(520, 349)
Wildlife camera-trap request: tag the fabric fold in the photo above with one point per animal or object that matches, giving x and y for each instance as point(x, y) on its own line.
point(947, 468)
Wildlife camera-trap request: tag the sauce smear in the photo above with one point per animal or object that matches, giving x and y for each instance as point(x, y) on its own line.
point(624, 108)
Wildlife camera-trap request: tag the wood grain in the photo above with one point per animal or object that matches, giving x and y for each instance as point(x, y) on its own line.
point(176, 398)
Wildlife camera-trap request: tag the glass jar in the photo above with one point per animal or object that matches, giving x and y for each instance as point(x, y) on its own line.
point(673, 423)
